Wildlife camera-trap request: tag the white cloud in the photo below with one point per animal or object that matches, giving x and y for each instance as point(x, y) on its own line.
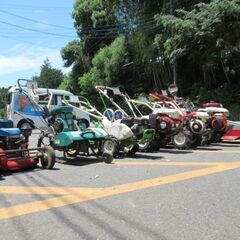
point(21, 59)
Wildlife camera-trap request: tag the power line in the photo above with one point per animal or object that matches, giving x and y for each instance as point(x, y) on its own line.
point(99, 41)
point(35, 44)
point(125, 31)
point(117, 26)
point(101, 38)
point(35, 21)
point(4, 5)
point(96, 43)
point(101, 31)
point(92, 35)
point(93, 30)
point(35, 30)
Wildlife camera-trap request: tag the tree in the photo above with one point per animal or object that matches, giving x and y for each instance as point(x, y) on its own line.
point(99, 23)
point(202, 36)
point(206, 38)
point(106, 67)
point(3, 92)
point(49, 77)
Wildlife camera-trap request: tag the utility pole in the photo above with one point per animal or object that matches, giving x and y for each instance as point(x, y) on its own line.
point(174, 60)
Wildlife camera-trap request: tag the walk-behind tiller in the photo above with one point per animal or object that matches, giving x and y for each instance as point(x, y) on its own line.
point(14, 151)
point(165, 122)
point(120, 136)
point(218, 120)
point(65, 135)
point(138, 126)
point(194, 124)
point(207, 124)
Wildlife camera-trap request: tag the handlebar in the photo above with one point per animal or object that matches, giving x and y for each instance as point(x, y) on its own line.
point(23, 79)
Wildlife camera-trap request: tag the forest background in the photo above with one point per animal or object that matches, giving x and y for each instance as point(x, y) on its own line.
point(147, 45)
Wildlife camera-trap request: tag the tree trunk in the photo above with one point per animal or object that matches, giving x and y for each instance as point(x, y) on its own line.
point(205, 77)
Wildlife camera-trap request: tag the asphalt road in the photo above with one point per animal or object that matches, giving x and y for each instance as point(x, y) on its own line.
point(168, 195)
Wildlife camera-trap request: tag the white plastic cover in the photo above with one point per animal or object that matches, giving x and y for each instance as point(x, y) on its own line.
point(202, 115)
point(74, 99)
point(212, 110)
point(173, 113)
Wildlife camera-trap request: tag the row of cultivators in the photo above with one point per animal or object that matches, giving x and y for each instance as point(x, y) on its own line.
point(126, 125)
point(155, 122)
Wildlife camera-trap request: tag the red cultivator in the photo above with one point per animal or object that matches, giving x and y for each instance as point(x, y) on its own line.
point(11, 160)
point(232, 135)
point(14, 151)
point(206, 125)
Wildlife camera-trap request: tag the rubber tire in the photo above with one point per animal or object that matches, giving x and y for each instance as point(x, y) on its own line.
point(152, 146)
point(185, 145)
point(133, 150)
point(115, 151)
point(144, 147)
point(20, 123)
point(206, 140)
point(107, 157)
point(164, 141)
point(68, 155)
point(196, 142)
point(51, 158)
point(216, 137)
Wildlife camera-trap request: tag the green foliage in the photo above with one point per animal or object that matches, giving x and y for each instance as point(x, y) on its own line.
point(3, 92)
point(134, 44)
point(208, 36)
point(2, 113)
point(106, 67)
point(49, 77)
point(69, 83)
point(94, 12)
point(228, 94)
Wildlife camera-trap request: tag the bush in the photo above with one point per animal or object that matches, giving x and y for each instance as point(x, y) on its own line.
point(2, 113)
point(227, 94)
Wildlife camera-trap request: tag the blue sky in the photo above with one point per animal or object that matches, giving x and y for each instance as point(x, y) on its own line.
point(22, 51)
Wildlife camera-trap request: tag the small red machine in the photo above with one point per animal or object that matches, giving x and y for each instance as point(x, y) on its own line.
point(14, 151)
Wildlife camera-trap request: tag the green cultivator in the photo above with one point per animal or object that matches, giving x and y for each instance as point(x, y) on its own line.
point(65, 135)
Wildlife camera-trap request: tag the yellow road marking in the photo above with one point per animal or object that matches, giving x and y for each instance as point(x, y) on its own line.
point(77, 195)
point(34, 190)
point(175, 163)
point(200, 151)
point(215, 151)
point(42, 190)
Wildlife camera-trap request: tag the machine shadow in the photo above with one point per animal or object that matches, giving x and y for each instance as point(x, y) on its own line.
point(24, 171)
point(77, 227)
point(79, 161)
point(208, 149)
point(237, 145)
point(175, 151)
point(140, 155)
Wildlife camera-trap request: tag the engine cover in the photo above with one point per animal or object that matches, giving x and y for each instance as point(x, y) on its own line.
point(219, 122)
point(212, 104)
point(120, 131)
point(196, 126)
point(165, 123)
